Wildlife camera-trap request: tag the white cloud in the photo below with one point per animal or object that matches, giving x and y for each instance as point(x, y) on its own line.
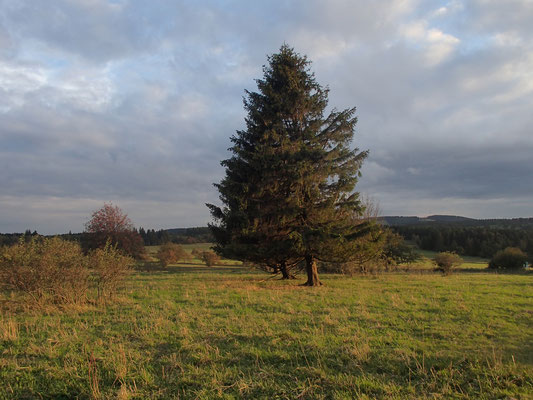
point(17, 81)
point(451, 7)
point(191, 107)
point(89, 90)
point(507, 39)
point(374, 172)
point(81, 88)
point(398, 9)
point(436, 45)
point(320, 46)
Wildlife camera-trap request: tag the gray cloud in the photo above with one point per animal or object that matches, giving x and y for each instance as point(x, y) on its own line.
point(135, 102)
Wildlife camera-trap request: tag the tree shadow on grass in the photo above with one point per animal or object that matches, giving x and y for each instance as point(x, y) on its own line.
point(494, 271)
point(150, 266)
point(190, 268)
point(217, 269)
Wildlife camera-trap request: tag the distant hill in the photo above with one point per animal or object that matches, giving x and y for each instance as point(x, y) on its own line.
point(448, 218)
point(413, 220)
point(456, 220)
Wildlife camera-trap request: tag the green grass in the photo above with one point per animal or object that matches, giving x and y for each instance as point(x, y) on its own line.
point(195, 332)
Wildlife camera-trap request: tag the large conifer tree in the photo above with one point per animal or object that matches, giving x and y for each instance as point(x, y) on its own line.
point(288, 193)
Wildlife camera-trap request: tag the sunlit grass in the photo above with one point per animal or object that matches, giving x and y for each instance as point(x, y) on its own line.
point(190, 331)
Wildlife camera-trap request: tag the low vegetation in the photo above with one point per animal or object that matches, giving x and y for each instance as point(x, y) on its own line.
point(109, 267)
point(47, 270)
point(52, 270)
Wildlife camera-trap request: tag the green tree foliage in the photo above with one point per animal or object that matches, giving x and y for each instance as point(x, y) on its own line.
point(398, 251)
point(509, 258)
point(447, 261)
point(378, 250)
point(288, 193)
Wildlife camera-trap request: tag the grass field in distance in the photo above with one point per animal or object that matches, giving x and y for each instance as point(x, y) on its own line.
point(226, 332)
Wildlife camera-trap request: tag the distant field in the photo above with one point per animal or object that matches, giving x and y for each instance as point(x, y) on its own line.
point(152, 250)
point(425, 263)
point(475, 263)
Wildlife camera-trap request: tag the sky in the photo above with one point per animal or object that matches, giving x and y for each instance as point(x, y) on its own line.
point(134, 102)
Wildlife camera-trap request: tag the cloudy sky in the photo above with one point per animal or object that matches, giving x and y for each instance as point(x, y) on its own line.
point(134, 102)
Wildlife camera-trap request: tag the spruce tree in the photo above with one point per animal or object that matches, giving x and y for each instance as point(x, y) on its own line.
point(288, 193)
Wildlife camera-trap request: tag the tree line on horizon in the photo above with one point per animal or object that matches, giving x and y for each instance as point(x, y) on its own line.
point(151, 237)
point(476, 241)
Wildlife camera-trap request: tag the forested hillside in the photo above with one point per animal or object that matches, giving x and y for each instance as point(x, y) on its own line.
point(481, 238)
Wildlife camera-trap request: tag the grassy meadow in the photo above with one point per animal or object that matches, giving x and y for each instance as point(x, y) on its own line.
point(226, 332)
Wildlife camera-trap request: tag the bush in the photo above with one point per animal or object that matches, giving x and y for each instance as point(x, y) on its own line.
point(510, 258)
point(109, 267)
point(46, 269)
point(55, 270)
point(446, 262)
point(170, 253)
point(196, 253)
point(209, 258)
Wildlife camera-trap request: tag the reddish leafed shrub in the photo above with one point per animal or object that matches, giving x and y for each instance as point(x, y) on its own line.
point(209, 258)
point(170, 253)
point(111, 224)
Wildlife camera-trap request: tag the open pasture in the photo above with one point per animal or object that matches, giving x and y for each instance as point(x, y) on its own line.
point(226, 332)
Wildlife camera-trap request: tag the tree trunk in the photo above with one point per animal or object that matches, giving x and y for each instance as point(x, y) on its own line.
point(283, 269)
point(312, 272)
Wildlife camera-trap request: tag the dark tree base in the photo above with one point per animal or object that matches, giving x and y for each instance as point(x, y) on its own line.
point(312, 283)
point(288, 277)
point(312, 272)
